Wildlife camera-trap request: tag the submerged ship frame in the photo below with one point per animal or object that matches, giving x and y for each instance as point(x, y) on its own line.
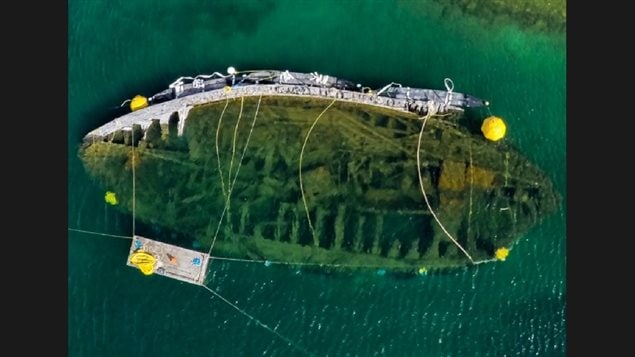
point(375, 137)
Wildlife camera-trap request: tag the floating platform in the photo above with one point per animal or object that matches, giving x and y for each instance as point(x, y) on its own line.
point(171, 261)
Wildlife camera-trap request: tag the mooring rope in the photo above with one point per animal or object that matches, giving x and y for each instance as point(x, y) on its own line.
point(220, 170)
point(97, 233)
point(432, 110)
point(306, 139)
point(231, 182)
point(275, 262)
point(231, 162)
point(469, 215)
point(265, 326)
point(133, 184)
point(242, 156)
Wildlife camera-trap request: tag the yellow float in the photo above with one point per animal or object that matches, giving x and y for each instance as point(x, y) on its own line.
point(144, 261)
point(493, 128)
point(111, 198)
point(138, 102)
point(502, 253)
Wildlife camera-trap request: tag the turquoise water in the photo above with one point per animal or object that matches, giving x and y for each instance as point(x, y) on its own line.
point(118, 49)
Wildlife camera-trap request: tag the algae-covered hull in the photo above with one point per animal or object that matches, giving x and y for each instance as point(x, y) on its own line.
point(246, 175)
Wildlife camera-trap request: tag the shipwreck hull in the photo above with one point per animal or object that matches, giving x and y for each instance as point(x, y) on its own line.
point(356, 176)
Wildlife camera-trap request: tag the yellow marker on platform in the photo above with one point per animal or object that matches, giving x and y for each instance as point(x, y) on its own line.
point(111, 198)
point(502, 253)
point(493, 128)
point(144, 261)
point(227, 89)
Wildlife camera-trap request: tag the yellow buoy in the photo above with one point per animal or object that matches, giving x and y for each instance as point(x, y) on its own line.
point(144, 261)
point(111, 198)
point(138, 102)
point(502, 253)
point(227, 89)
point(422, 271)
point(493, 128)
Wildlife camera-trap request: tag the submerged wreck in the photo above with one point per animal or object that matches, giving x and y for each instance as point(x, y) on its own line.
point(305, 168)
